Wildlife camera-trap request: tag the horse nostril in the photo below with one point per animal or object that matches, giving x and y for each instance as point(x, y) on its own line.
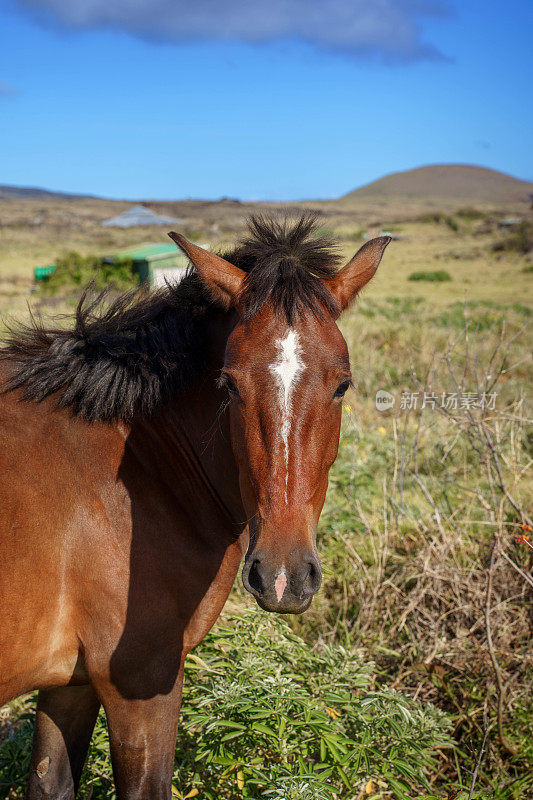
point(312, 580)
point(255, 581)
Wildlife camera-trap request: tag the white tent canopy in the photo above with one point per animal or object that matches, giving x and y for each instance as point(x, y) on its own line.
point(138, 215)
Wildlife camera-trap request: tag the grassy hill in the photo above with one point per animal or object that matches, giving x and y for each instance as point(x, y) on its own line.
point(21, 192)
point(452, 182)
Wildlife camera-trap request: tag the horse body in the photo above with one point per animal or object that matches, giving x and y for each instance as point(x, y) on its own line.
point(122, 531)
point(116, 518)
point(125, 559)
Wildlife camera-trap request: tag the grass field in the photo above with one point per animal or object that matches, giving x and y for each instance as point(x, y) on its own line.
point(426, 568)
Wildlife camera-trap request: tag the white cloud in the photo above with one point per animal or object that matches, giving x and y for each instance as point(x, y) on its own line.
point(388, 29)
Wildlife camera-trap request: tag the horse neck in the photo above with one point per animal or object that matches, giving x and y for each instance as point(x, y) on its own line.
point(189, 439)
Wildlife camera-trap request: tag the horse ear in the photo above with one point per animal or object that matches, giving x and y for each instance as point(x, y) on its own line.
point(348, 282)
point(223, 279)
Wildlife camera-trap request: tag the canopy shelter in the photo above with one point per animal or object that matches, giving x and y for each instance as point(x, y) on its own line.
point(138, 215)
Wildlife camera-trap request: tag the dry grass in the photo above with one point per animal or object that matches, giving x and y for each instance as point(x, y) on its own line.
point(419, 534)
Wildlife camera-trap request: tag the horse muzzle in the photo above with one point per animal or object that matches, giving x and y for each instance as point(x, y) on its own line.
point(285, 588)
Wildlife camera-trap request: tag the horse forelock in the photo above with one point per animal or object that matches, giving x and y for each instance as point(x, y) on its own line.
point(286, 260)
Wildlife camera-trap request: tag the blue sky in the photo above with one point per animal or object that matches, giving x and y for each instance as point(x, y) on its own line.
point(173, 99)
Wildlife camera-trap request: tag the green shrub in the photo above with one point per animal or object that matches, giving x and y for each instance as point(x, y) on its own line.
point(266, 705)
point(471, 213)
point(266, 716)
point(442, 219)
point(452, 223)
point(76, 271)
point(428, 275)
point(518, 240)
point(435, 217)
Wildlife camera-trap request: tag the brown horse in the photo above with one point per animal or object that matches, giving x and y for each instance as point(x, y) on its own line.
point(142, 454)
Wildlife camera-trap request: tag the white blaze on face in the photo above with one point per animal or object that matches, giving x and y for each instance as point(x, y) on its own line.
point(286, 370)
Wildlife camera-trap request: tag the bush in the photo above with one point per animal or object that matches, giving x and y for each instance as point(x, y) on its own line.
point(518, 240)
point(76, 271)
point(435, 276)
point(471, 213)
point(442, 219)
point(266, 716)
point(452, 223)
point(264, 706)
point(436, 217)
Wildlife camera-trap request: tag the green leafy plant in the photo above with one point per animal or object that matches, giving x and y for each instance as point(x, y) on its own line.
point(265, 713)
point(74, 271)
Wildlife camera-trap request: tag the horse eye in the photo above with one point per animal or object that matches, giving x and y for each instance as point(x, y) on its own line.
point(342, 389)
point(230, 386)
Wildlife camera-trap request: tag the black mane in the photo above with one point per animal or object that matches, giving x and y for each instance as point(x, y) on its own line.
point(125, 358)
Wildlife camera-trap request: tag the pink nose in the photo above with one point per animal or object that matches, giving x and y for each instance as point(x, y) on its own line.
point(280, 585)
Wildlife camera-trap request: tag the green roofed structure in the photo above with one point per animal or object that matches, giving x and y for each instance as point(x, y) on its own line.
point(42, 273)
point(156, 263)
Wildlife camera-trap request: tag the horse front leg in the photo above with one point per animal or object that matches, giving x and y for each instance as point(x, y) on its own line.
point(64, 724)
point(142, 738)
